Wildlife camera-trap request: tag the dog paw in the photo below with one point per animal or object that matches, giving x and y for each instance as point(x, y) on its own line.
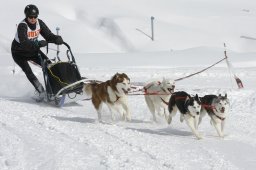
point(199, 136)
point(99, 121)
point(128, 118)
point(123, 117)
point(221, 136)
point(169, 120)
point(181, 120)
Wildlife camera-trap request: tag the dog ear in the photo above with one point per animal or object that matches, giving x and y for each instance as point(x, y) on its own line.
point(198, 99)
point(226, 96)
point(115, 77)
point(196, 96)
point(162, 84)
point(125, 76)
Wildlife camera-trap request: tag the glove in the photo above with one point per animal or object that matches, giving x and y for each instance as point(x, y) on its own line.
point(58, 40)
point(42, 43)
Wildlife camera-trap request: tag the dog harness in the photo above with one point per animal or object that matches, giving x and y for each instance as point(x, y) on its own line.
point(117, 98)
point(148, 86)
point(221, 118)
point(211, 109)
point(180, 97)
point(156, 92)
point(167, 103)
point(185, 99)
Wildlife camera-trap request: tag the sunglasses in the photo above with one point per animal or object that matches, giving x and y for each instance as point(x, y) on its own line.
point(31, 17)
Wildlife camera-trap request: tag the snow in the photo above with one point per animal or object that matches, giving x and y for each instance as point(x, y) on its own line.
point(102, 34)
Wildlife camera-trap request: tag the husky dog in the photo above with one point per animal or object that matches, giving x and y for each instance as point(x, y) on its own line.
point(157, 95)
point(113, 93)
point(217, 108)
point(189, 108)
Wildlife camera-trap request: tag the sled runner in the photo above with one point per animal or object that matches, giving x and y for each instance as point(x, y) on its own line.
point(62, 79)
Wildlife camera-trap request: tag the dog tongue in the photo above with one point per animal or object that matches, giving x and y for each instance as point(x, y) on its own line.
point(170, 90)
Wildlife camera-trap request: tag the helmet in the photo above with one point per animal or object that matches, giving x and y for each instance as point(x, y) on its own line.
point(31, 10)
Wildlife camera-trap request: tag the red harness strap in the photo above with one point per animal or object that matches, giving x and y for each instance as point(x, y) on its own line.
point(146, 89)
point(150, 85)
point(180, 97)
point(176, 98)
point(155, 92)
point(206, 106)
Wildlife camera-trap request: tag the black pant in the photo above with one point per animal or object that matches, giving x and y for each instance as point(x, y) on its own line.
point(23, 63)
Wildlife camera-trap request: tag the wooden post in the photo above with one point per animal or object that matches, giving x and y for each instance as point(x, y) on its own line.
point(231, 71)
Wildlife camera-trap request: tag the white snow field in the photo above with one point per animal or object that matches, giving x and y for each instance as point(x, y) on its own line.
point(189, 36)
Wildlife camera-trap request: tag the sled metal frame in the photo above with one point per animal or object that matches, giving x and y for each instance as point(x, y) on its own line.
point(75, 87)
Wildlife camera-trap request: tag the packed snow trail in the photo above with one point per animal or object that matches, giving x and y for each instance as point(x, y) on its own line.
point(40, 136)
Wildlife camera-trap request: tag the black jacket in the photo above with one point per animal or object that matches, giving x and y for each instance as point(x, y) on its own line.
point(26, 47)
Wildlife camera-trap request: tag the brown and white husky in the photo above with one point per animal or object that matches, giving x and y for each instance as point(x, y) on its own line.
point(113, 93)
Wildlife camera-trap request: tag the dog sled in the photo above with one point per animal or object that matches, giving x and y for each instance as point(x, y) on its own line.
point(62, 79)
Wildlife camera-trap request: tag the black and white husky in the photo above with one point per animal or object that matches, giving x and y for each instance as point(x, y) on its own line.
point(189, 108)
point(217, 108)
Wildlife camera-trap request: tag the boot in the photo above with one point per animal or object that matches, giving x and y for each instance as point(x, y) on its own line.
point(39, 90)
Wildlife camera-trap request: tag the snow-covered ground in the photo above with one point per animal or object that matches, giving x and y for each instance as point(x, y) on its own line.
point(189, 37)
point(41, 136)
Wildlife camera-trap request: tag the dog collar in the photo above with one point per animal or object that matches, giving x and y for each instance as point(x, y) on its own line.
point(212, 110)
point(117, 98)
point(221, 118)
point(190, 114)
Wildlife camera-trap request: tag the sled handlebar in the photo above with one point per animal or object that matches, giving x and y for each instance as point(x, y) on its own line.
point(69, 49)
point(64, 43)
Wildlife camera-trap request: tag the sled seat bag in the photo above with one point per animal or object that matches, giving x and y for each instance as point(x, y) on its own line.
point(61, 74)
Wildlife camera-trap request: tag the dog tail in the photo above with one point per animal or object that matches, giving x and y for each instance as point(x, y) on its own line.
point(88, 89)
